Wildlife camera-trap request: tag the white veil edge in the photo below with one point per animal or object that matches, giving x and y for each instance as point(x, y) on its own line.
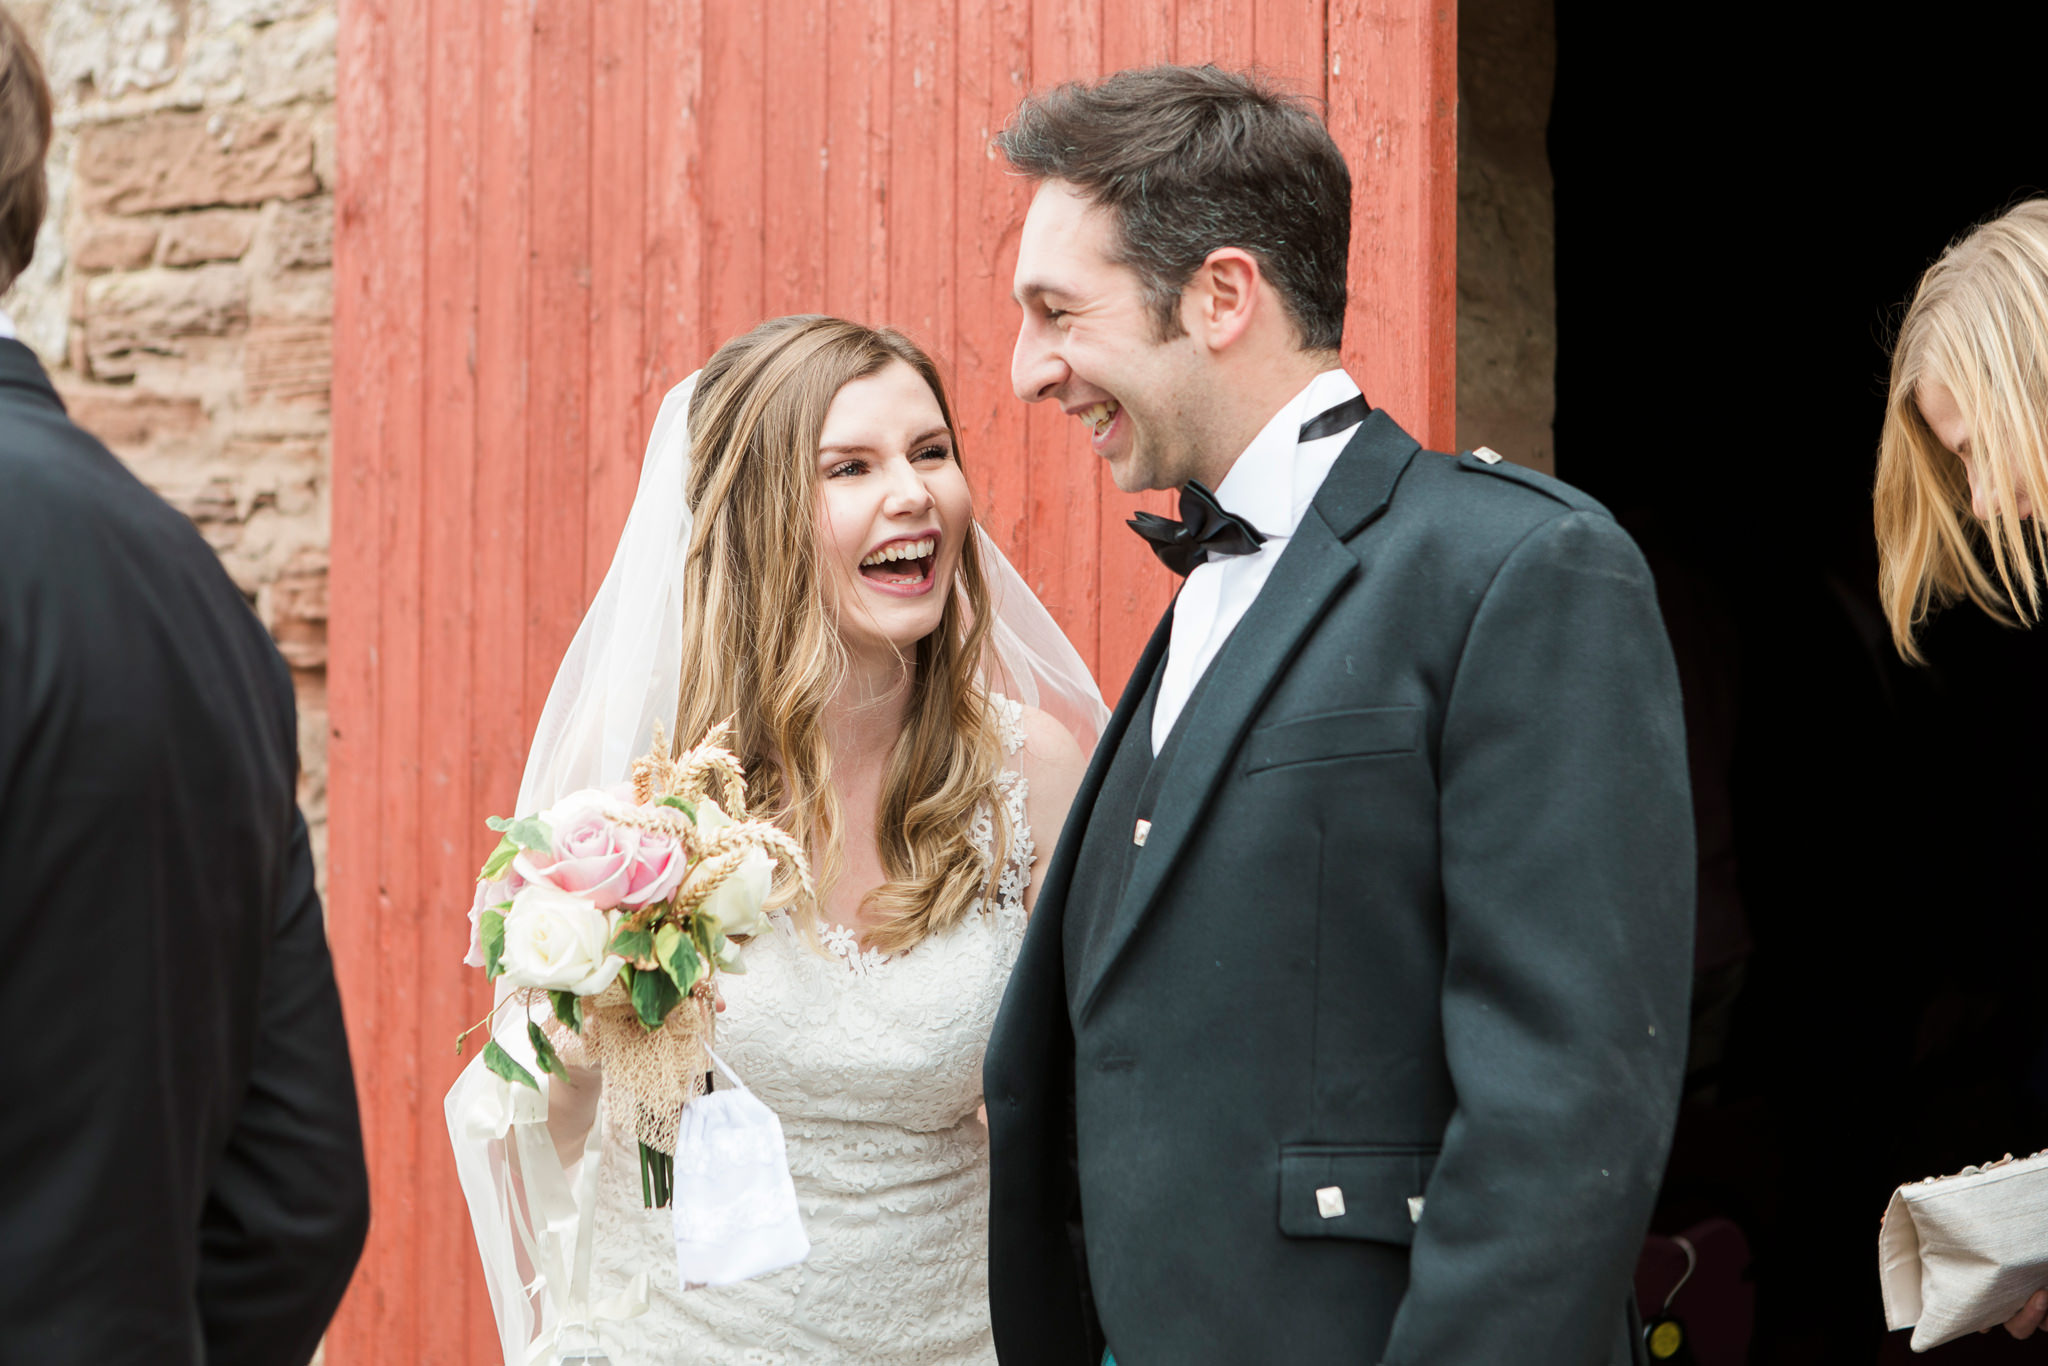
point(618, 679)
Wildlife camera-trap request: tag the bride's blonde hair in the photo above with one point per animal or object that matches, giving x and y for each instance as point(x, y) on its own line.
point(1978, 326)
point(760, 642)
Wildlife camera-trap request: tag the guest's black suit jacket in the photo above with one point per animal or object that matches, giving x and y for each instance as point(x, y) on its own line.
point(1412, 923)
point(181, 1167)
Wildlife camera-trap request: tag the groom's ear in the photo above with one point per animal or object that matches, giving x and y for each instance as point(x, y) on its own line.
point(1222, 298)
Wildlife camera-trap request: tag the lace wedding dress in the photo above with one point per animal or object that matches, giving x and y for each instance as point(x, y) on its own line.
point(873, 1065)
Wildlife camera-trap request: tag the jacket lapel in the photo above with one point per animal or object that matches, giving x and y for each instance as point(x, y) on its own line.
point(1313, 567)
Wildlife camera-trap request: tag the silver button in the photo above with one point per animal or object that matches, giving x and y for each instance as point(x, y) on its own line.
point(1330, 1201)
point(1488, 454)
point(1414, 1209)
point(1138, 836)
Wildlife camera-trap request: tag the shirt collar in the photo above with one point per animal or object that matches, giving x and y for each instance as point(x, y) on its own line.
point(7, 326)
point(1269, 486)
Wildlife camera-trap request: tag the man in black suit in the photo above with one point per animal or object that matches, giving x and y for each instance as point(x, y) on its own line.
point(1350, 1022)
point(181, 1167)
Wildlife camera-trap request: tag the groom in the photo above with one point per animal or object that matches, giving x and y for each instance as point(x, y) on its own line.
point(1350, 1022)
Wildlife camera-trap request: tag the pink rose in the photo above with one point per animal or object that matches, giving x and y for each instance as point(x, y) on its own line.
point(489, 896)
point(655, 871)
point(589, 856)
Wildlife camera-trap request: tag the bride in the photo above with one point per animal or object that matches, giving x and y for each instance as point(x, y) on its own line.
point(802, 555)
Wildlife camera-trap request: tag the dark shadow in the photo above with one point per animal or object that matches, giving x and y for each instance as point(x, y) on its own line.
point(1742, 210)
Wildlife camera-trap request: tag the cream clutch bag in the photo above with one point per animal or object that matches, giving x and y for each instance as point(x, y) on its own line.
point(1959, 1253)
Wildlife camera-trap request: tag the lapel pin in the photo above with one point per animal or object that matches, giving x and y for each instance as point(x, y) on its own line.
point(1138, 835)
point(1488, 454)
point(1414, 1209)
point(1330, 1202)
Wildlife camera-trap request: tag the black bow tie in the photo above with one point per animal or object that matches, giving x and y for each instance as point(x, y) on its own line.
point(1204, 531)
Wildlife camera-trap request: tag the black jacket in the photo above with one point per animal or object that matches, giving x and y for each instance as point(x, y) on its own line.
point(1413, 919)
point(181, 1167)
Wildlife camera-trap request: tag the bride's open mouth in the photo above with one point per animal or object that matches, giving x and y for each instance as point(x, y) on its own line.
point(903, 565)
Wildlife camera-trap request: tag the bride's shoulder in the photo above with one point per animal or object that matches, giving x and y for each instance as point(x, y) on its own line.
point(1040, 747)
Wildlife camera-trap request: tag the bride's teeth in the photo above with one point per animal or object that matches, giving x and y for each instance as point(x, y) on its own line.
point(902, 550)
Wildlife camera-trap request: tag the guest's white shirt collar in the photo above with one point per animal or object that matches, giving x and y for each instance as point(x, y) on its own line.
point(7, 327)
point(1268, 486)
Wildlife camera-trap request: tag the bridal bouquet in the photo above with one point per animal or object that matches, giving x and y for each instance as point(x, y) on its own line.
point(621, 908)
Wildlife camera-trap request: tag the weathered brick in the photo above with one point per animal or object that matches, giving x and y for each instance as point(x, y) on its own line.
point(288, 363)
point(302, 234)
point(295, 610)
point(210, 235)
point(189, 161)
point(149, 311)
point(112, 244)
point(128, 418)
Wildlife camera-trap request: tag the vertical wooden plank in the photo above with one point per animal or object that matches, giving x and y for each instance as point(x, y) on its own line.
point(363, 300)
point(674, 231)
point(1288, 40)
point(734, 42)
point(1393, 110)
point(1063, 498)
point(921, 172)
point(558, 337)
point(1218, 31)
point(618, 279)
point(993, 74)
point(447, 490)
point(501, 723)
point(1134, 587)
point(797, 222)
point(857, 103)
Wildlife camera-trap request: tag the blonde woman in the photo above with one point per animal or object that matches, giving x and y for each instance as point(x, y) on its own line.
point(803, 556)
point(1963, 460)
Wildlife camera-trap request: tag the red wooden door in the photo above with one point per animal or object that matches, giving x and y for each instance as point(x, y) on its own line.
point(553, 210)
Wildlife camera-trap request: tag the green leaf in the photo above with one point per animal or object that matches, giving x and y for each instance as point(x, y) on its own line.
point(687, 808)
point(568, 1008)
point(506, 1066)
point(679, 956)
point(544, 1052)
point(531, 832)
point(491, 931)
point(499, 823)
point(654, 996)
point(632, 945)
point(708, 936)
point(500, 859)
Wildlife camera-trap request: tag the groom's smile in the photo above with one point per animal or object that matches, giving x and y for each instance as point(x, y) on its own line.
point(1089, 342)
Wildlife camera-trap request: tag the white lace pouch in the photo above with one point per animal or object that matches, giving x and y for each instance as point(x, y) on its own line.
point(1963, 1252)
point(734, 1204)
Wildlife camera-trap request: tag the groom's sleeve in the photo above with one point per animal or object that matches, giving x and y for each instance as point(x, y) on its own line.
point(1568, 877)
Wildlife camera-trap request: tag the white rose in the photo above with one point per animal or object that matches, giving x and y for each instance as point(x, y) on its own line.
point(736, 905)
point(556, 939)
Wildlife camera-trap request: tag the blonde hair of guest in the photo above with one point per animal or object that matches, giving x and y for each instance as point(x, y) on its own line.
point(1978, 325)
point(760, 642)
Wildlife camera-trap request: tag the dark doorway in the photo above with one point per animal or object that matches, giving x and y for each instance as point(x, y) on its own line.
point(1743, 206)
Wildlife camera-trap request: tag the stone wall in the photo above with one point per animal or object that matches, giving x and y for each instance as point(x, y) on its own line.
point(1507, 229)
point(182, 289)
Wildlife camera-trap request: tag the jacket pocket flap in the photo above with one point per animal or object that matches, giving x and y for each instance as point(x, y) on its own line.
point(1359, 1190)
point(1335, 735)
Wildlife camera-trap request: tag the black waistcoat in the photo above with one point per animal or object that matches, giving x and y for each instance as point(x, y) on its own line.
point(1109, 849)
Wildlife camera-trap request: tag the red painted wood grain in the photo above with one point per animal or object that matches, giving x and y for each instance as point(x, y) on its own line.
point(551, 211)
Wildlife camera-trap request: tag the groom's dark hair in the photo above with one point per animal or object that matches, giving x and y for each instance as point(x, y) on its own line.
point(1188, 159)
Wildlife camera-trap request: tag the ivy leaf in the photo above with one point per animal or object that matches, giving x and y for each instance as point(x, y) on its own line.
point(679, 956)
point(500, 859)
point(533, 834)
point(498, 823)
point(654, 996)
point(568, 1008)
point(544, 1052)
point(491, 932)
point(506, 1066)
point(632, 945)
point(687, 808)
point(709, 937)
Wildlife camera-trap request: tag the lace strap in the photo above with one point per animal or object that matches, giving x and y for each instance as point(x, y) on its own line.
point(1009, 722)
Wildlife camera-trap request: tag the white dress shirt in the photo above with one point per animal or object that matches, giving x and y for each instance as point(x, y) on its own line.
point(1270, 486)
point(6, 326)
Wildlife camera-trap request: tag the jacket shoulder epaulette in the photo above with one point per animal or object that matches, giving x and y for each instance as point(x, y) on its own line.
point(1554, 489)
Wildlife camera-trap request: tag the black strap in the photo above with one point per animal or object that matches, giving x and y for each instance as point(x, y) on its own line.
point(1349, 413)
